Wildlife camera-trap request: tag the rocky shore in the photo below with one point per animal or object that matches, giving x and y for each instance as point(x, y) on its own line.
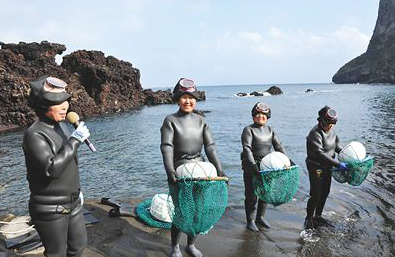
point(98, 84)
point(129, 236)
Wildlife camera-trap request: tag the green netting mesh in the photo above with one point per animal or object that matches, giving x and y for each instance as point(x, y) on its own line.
point(277, 186)
point(357, 174)
point(198, 205)
point(142, 211)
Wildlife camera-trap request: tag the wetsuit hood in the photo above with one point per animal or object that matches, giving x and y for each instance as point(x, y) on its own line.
point(327, 115)
point(185, 86)
point(45, 97)
point(261, 108)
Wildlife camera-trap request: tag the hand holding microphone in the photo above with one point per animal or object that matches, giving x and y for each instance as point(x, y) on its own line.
point(81, 133)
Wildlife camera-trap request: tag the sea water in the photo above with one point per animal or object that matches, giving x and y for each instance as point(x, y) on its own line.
point(128, 162)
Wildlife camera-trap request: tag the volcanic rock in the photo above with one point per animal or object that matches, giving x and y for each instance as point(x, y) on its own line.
point(377, 64)
point(98, 84)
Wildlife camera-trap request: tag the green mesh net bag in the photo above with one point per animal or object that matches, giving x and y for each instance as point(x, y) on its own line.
point(143, 212)
point(277, 186)
point(357, 173)
point(198, 203)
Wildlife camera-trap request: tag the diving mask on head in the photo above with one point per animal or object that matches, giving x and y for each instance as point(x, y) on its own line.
point(327, 116)
point(49, 90)
point(261, 108)
point(185, 86)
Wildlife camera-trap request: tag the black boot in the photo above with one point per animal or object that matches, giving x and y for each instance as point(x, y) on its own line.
point(262, 206)
point(320, 221)
point(309, 223)
point(251, 221)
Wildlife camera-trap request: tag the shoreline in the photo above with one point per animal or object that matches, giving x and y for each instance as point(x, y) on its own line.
point(129, 236)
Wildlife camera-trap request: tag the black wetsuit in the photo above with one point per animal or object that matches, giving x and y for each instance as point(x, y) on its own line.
point(183, 136)
point(53, 176)
point(321, 149)
point(256, 141)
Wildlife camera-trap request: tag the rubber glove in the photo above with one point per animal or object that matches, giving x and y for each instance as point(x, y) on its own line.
point(81, 133)
point(343, 166)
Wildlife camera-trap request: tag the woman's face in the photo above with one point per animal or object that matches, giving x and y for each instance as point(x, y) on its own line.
point(58, 112)
point(326, 126)
point(187, 103)
point(260, 119)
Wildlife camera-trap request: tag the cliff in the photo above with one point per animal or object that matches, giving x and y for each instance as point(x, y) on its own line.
point(377, 65)
point(98, 84)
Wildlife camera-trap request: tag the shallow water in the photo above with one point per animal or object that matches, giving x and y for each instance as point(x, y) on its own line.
point(128, 162)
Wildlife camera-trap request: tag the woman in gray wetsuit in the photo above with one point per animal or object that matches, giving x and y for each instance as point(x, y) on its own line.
point(322, 144)
point(52, 170)
point(183, 135)
point(257, 139)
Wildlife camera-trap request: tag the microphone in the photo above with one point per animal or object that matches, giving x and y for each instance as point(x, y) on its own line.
point(73, 118)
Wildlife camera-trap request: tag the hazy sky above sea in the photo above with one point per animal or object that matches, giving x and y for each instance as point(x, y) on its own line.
point(216, 42)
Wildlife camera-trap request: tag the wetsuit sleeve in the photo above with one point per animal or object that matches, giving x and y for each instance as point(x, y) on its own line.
point(338, 146)
point(167, 147)
point(316, 145)
point(210, 149)
point(246, 141)
point(39, 152)
point(277, 144)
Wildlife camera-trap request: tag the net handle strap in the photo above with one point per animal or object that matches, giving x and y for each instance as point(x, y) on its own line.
point(204, 179)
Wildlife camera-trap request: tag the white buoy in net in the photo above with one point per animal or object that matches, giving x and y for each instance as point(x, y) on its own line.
point(196, 170)
point(162, 207)
point(354, 151)
point(275, 160)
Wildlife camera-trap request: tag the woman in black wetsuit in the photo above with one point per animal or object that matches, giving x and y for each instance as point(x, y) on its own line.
point(257, 139)
point(183, 135)
point(322, 144)
point(52, 170)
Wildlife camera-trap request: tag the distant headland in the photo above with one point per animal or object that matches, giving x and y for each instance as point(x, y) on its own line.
point(377, 65)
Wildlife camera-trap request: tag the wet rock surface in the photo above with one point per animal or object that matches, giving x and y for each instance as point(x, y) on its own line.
point(98, 84)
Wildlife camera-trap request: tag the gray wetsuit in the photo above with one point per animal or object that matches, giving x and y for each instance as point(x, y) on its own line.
point(321, 149)
point(53, 176)
point(257, 142)
point(183, 135)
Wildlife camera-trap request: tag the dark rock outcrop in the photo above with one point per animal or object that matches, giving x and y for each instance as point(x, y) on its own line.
point(274, 90)
point(164, 97)
point(256, 93)
point(377, 65)
point(241, 94)
point(98, 84)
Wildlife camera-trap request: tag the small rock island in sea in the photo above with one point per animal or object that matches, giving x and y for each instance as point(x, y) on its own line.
point(273, 90)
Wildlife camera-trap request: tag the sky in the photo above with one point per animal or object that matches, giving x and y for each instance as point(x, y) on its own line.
point(217, 42)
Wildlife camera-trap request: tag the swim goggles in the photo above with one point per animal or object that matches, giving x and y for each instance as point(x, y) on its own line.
point(187, 85)
point(331, 115)
point(261, 107)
